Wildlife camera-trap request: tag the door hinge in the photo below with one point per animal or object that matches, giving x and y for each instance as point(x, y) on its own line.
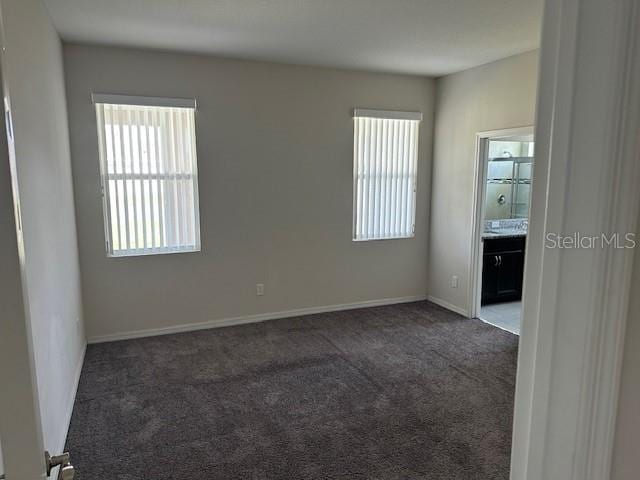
point(63, 461)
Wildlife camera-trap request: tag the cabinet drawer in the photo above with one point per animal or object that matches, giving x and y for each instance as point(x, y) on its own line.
point(501, 245)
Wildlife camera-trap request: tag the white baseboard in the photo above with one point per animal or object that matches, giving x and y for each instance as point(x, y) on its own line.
point(260, 317)
point(71, 401)
point(448, 306)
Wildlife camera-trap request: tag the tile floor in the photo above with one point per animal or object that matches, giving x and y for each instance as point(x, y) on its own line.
point(503, 315)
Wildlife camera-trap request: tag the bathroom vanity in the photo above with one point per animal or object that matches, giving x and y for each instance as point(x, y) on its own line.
point(502, 267)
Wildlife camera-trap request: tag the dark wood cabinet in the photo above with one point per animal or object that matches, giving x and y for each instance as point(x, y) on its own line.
point(502, 269)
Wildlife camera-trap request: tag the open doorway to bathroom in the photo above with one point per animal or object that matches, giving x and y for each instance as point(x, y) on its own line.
point(505, 161)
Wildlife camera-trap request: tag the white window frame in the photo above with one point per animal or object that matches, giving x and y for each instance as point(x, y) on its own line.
point(407, 181)
point(116, 99)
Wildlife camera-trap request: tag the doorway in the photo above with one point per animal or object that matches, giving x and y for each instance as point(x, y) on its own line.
point(504, 166)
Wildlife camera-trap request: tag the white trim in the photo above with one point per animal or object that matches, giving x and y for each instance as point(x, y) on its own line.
point(71, 401)
point(601, 381)
point(142, 101)
point(20, 414)
point(387, 114)
point(180, 126)
point(141, 252)
point(477, 219)
point(259, 317)
point(517, 131)
point(448, 306)
point(477, 216)
point(585, 179)
point(384, 206)
point(399, 237)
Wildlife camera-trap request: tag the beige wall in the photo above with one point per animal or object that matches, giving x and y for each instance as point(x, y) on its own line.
point(498, 95)
point(626, 461)
point(33, 71)
point(275, 164)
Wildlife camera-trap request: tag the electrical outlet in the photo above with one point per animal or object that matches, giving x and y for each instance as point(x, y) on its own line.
point(259, 289)
point(454, 281)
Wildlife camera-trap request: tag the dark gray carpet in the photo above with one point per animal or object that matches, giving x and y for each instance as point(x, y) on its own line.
point(399, 392)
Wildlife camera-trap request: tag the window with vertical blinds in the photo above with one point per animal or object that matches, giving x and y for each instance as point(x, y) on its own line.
point(384, 174)
point(149, 174)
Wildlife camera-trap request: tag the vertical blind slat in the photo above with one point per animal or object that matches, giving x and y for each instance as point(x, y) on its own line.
point(403, 197)
point(123, 183)
point(383, 175)
point(359, 130)
point(357, 134)
point(142, 200)
point(394, 176)
point(171, 152)
point(411, 214)
point(406, 227)
point(131, 183)
point(195, 208)
point(387, 182)
point(152, 211)
point(365, 174)
point(385, 171)
point(168, 186)
point(162, 239)
point(115, 229)
point(149, 176)
point(375, 214)
point(182, 190)
point(373, 222)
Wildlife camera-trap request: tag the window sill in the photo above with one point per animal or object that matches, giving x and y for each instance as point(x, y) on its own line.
point(147, 252)
point(359, 240)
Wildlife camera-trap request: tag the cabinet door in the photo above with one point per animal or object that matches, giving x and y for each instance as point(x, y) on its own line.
point(489, 278)
point(510, 269)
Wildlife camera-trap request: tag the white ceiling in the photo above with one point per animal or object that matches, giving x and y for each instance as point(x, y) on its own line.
point(427, 37)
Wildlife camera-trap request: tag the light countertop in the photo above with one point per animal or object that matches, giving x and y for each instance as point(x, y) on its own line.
point(504, 233)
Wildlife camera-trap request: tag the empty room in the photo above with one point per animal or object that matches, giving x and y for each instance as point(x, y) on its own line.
point(297, 239)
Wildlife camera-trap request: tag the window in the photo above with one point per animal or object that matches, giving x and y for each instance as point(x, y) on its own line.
point(149, 174)
point(385, 161)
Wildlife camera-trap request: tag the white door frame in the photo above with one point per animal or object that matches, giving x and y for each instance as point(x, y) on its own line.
point(20, 422)
point(479, 194)
point(585, 180)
